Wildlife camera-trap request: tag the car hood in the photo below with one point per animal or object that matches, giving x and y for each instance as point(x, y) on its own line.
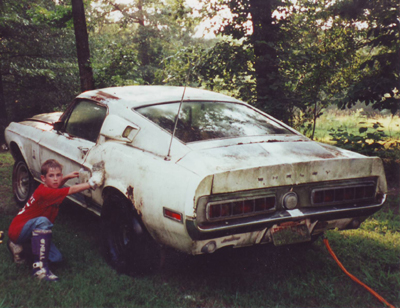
point(48, 118)
point(278, 162)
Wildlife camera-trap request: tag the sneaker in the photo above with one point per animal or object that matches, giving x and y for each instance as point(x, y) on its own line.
point(41, 272)
point(16, 251)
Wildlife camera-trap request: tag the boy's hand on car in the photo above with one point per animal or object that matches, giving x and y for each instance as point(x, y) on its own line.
point(97, 179)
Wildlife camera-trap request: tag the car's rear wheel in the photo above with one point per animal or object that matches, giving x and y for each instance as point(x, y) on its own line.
point(128, 246)
point(22, 182)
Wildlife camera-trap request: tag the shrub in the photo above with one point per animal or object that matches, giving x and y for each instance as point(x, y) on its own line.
point(370, 141)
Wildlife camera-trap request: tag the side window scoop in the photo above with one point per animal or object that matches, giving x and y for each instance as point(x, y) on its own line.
point(119, 129)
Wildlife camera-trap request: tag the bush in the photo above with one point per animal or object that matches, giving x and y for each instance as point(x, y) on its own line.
point(371, 143)
point(375, 143)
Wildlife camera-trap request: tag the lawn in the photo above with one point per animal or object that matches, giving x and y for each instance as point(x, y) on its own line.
point(263, 276)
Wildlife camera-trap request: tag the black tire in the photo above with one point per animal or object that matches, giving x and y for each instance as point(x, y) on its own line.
point(128, 246)
point(22, 182)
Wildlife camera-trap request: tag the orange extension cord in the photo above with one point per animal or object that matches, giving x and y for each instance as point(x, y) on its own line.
point(353, 277)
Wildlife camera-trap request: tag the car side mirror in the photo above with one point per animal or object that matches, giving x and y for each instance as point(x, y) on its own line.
point(58, 125)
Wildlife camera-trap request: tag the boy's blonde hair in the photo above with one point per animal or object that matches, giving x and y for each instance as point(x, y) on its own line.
point(50, 163)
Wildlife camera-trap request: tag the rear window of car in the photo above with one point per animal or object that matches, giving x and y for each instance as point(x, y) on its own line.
point(211, 120)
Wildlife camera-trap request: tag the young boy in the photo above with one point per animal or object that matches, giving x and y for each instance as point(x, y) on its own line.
point(35, 221)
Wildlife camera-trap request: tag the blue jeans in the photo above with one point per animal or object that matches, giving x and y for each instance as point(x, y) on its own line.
point(39, 223)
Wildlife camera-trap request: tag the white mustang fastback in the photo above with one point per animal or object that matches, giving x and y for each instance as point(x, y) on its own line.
point(196, 171)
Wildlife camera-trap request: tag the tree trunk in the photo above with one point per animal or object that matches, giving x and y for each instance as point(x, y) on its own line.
point(144, 45)
point(82, 45)
point(3, 115)
point(265, 35)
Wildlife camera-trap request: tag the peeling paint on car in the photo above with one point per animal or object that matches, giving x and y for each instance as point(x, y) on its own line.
point(140, 207)
point(129, 194)
point(101, 96)
point(231, 239)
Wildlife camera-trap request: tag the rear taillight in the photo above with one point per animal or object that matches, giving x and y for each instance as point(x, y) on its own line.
point(230, 209)
point(343, 194)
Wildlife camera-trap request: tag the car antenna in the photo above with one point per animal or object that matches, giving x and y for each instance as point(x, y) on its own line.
point(168, 157)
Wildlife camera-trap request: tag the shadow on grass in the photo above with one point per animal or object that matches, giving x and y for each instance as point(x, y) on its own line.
point(263, 275)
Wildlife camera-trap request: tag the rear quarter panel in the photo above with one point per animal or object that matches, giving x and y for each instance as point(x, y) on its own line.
point(151, 183)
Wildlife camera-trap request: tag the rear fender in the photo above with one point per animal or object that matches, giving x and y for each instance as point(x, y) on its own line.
point(118, 187)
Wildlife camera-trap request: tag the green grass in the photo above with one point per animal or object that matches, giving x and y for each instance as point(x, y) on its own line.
point(297, 276)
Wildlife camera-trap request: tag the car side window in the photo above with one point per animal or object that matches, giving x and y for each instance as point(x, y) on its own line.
point(85, 120)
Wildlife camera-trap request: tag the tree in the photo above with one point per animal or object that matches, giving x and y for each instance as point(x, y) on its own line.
point(3, 111)
point(82, 45)
point(145, 31)
point(379, 80)
point(310, 54)
point(264, 38)
point(37, 59)
point(321, 60)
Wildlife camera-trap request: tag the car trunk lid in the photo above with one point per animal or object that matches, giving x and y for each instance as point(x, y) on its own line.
point(270, 164)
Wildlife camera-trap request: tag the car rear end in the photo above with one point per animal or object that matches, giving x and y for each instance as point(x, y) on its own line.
point(285, 203)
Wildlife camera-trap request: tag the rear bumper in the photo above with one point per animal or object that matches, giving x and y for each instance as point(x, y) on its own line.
point(256, 224)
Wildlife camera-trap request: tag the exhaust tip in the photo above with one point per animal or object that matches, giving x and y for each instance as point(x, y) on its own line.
point(210, 247)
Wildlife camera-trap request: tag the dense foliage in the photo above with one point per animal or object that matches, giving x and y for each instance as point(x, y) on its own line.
point(318, 53)
point(379, 54)
point(38, 57)
point(370, 141)
point(291, 59)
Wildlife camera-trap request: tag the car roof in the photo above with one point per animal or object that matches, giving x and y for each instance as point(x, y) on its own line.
point(137, 96)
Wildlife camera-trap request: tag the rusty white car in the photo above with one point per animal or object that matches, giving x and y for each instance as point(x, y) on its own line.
point(196, 171)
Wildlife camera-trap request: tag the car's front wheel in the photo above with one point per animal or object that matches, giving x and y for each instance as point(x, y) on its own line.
point(22, 182)
point(128, 246)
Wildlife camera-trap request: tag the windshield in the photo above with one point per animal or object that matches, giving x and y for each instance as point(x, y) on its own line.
point(211, 120)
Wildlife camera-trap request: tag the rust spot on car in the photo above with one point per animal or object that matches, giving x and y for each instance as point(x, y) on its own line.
point(275, 177)
point(139, 207)
point(328, 171)
point(330, 155)
point(334, 151)
point(311, 152)
point(129, 194)
point(231, 239)
point(288, 176)
point(102, 96)
point(315, 173)
point(260, 179)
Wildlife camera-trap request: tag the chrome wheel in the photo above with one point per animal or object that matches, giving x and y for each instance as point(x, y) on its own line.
point(23, 183)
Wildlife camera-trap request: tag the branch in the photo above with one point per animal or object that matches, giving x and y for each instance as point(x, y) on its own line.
point(125, 14)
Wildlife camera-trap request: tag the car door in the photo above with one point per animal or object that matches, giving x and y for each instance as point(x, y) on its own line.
point(77, 136)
